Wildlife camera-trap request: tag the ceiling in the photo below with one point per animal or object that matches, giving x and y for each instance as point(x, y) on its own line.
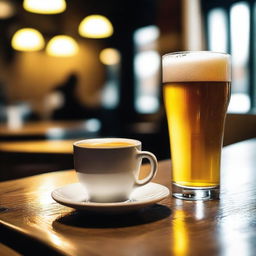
point(125, 15)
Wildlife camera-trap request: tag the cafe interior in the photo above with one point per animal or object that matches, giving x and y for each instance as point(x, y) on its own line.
point(75, 69)
point(87, 69)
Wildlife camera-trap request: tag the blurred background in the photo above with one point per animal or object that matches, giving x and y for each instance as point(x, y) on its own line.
point(98, 62)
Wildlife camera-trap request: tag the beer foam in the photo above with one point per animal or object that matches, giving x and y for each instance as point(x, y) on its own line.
point(196, 67)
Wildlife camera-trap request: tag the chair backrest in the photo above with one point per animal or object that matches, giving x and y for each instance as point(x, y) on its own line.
point(239, 127)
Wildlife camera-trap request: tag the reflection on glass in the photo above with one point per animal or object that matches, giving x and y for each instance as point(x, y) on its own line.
point(240, 28)
point(180, 234)
point(217, 21)
point(146, 69)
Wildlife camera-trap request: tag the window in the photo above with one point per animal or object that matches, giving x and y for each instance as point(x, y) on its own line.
point(229, 29)
point(147, 63)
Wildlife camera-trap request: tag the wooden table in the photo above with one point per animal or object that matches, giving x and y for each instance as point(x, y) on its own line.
point(171, 227)
point(25, 158)
point(38, 146)
point(48, 129)
point(6, 251)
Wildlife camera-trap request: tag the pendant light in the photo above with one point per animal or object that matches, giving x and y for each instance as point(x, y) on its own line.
point(44, 6)
point(62, 46)
point(27, 39)
point(95, 26)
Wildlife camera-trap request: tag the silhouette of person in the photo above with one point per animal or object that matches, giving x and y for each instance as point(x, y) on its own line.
point(71, 107)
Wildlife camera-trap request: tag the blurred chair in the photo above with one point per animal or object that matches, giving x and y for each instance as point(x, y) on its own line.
point(239, 127)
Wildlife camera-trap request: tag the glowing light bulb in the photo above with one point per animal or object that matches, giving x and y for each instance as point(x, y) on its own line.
point(95, 26)
point(44, 6)
point(110, 56)
point(62, 46)
point(7, 9)
point(27, 39)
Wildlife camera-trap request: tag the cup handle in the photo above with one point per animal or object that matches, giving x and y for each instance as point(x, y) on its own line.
point(153, 163)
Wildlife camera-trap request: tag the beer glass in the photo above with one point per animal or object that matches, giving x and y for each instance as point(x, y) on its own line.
point(196, 91)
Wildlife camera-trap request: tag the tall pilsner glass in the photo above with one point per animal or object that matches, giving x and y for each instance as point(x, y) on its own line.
point(196, 89)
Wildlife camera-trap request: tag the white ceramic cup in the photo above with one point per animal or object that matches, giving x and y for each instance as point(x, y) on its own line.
point(108, 168)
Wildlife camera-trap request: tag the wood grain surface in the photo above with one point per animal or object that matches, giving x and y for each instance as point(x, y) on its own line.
point(171, 227)
point(38, 146)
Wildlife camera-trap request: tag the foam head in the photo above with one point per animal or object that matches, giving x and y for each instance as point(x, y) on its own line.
point(196, 66)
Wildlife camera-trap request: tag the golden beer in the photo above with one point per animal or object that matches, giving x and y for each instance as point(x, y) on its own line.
point(196, 102)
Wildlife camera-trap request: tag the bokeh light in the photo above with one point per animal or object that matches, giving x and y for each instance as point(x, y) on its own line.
point(110, 56)
point(44, 6)
point(27, 39)
point(95, 26)
point(62, 46)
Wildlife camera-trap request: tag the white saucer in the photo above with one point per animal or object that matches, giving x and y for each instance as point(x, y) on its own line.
point(74, 196)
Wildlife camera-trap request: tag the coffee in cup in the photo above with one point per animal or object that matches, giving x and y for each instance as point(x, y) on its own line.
point(108, 168)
